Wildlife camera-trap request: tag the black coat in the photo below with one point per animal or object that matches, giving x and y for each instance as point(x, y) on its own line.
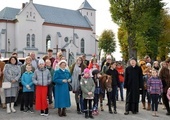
point(133, 82)
point(115, 76)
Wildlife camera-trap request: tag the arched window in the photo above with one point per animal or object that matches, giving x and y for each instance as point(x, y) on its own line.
point(48, 42)
point(82, 46)
point(28, 40)
point(33, 40)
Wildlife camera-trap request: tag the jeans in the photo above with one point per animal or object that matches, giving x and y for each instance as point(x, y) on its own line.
point(144, 94)
point(154, 98)
point(121, 91)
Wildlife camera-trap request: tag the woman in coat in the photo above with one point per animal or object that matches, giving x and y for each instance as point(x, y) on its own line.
point(76, 71)
point(12, 73)
point(62, 96)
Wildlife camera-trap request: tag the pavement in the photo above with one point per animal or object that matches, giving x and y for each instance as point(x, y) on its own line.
point(72, 115)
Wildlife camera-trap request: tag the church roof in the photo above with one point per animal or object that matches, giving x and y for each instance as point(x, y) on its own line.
point(86, 5)
point(51, 14)
point(8, 13)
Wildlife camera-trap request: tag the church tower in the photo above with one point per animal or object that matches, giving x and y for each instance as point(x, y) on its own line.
point(89, 13)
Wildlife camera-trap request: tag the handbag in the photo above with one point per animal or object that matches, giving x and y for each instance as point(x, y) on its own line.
point(6, 85)
point(69, 87)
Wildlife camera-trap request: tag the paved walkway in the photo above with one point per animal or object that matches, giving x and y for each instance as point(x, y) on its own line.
point(72, 115)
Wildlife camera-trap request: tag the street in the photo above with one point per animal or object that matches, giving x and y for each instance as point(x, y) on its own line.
point(72, 114)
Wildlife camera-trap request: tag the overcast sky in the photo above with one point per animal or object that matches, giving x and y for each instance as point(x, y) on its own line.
point(103, 17)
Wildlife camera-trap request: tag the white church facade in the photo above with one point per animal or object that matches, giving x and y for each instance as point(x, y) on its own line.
point(37, 27)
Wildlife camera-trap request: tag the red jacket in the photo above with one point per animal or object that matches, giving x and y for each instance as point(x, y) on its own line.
point(121, 73)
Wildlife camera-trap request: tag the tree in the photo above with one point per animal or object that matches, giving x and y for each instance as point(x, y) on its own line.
point(122, 37)
point(164, 41)
point(137, 17)
point(107, 41)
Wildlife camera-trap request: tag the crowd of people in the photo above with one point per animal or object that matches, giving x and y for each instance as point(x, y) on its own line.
point(47, 82)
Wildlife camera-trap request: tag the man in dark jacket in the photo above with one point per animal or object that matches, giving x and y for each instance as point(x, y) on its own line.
point(133, 83)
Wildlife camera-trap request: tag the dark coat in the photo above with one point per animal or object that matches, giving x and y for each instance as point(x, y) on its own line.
point(133, 82)
point(115, 76)
point(164, 75)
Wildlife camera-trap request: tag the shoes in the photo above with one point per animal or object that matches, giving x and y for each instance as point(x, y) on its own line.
point(90, 116)
point(78, 112)
point(3, 105)
point(21, 109)
point(134, 112)
point(115, 112)
point(126, 113)
point(31, 110)
point(26, 109)
point(110, 112)
point(46, 114)
point(43, 114)
point(168, 113)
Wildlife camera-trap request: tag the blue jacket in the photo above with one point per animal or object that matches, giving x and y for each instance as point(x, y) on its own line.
point(26, 79)
point(62, 95)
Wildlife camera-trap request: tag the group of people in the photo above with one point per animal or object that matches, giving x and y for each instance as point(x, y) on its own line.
point(48, 80)
point(151, 81)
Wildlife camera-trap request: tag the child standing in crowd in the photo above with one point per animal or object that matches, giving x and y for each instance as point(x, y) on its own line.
point(41, 78)
point(28, 89)
point(96, 75)
point(87, 87)
point(115, 83)
point(50, 86)
point(154, 86)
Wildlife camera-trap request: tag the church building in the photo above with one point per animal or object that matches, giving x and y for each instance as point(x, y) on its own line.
point(37, 28)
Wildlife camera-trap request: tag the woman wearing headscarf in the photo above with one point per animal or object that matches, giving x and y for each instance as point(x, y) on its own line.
point(62, 78)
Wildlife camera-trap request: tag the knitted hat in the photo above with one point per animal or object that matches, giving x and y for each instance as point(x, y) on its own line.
point(108, 57)
point(86, 71)
point(62, 61)
point(41, 61)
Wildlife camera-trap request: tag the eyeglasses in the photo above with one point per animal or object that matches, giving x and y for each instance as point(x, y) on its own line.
point(143, 64)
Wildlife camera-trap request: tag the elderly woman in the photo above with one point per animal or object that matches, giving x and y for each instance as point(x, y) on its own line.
point(62, 77)
point(12, 73)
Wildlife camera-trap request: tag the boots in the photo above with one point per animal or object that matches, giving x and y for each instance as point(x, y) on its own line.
point(90, 114)
point(64, 112)
point(59, 112)
point(8, 110)
point(149, 106)
point(78, 108)
point(101, 106)
point(144, 106)
point(86, 114)
point(3, 105)
point(12, 108)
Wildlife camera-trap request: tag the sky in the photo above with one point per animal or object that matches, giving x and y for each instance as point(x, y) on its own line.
point(103, 16)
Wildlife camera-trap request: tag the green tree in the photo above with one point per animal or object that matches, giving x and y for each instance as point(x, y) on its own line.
point(164, 41)
point(137, 17)
point(122, 37)
point(107, 41)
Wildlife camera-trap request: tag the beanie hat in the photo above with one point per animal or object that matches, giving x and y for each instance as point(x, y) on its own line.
point(108, 57)
point(41, 61)
point(86, 71)
point(148, 65)
point(62, 61)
